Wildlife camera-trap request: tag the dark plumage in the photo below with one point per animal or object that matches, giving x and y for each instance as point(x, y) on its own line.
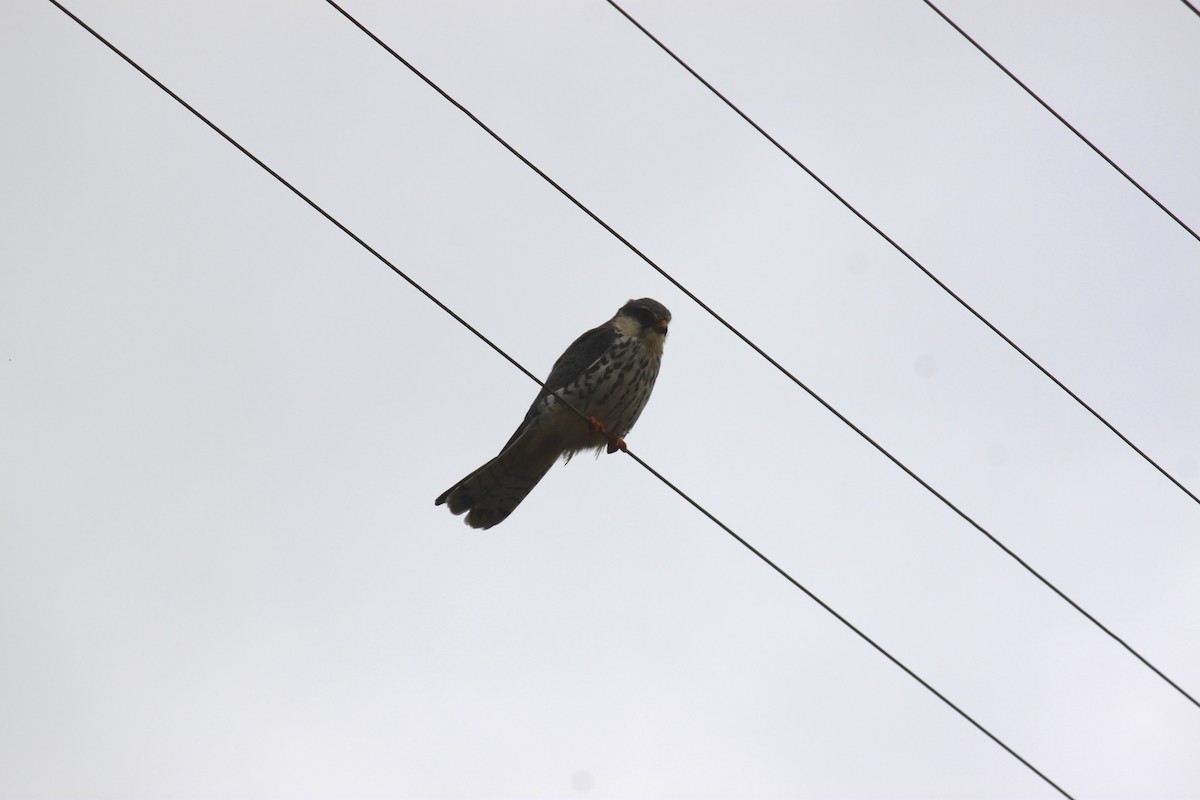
point(607, 375)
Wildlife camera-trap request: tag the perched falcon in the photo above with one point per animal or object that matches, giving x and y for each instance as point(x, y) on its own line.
point(606, 375)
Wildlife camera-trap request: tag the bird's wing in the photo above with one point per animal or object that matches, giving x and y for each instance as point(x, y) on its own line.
point(582, 353)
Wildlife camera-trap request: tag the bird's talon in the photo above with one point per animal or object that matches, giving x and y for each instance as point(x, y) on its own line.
point(615, 443)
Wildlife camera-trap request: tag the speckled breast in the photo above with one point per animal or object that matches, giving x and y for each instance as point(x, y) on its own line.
point(615, 389)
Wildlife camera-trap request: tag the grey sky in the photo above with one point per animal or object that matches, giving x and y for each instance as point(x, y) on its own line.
point(224, 423)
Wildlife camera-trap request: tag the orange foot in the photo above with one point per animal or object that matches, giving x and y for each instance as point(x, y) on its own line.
point(614, 443)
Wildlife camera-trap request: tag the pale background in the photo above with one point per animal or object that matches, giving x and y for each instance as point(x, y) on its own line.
point(223, 423)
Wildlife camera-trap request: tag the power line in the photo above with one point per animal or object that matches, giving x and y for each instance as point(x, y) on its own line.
point(1194, 10)
point(312, 204)
point(845, 621)
point(783, 370)
point(906, 254)
point(1069, 127)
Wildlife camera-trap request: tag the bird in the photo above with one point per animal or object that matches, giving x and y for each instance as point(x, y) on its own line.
point(594, 394)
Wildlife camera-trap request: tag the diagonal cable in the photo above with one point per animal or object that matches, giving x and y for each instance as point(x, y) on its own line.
point(357, 239)
point(1061, 119)
point(1191, 7)
point(909, 255)
point(842, 619)
point(750, 343)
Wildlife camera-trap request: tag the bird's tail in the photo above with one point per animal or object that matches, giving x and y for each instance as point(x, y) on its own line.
point(493, 491)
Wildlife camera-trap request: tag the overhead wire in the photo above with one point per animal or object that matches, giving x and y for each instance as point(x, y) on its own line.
point(1191, 7)
point(428, 295)
point(767, 357)
point(1068, 125)
point(902, 251)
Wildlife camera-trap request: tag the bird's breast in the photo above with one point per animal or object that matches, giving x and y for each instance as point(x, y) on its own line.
point(614, 389)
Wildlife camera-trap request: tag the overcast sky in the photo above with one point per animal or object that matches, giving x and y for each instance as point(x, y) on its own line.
point(223, 422)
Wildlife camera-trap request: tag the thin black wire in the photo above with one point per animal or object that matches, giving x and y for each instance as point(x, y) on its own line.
point(296, 191)
point(532, 377)
point(764, 354)
point(1068, 125)
point(906, 254)
point(843, 620)
point(1192, 7)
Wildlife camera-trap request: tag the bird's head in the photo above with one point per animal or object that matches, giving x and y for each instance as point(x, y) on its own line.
point(645, 319)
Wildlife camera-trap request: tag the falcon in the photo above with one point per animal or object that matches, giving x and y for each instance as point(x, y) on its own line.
point(595, 392)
